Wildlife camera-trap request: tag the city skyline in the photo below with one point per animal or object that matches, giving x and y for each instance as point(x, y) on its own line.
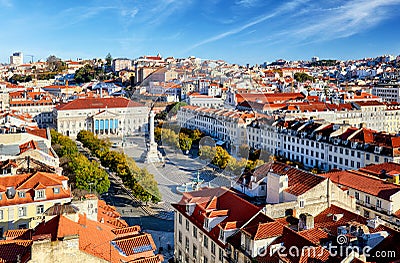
point(242, 31)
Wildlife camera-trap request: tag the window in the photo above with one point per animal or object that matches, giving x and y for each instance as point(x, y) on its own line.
point(301, 204)
point(205, 241)
point(40, 194)
point(358, 155)
point(21, 211)
point(180, 219)
point(212, 247)
point(194, 231)
point(367, 156)
point(367, 199)
point(187, 225)
point(357, 195)
point(186, 243)
point(21, 194)
point(366, 213)
point(376, 158)
point(180, 236)
point(205, 259)
point(220, 254)
point(194, 251)
point(40, 209)
point(1, 217)
point(56, 190)
point(378, 203)
point(1, 232)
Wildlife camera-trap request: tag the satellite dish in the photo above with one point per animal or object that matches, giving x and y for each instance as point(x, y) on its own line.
point(10, 193)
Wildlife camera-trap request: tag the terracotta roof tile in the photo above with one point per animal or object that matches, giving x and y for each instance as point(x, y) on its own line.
point(264, 230)
point(10, 249)
point(363, 183)
point(99, 103)
point(299, 181)
point(225, 200)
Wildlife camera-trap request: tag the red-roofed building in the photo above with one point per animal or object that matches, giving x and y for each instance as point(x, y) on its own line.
point(206, 219)
point(289, 190)
point(103, 116)
point(25, 197)
point(374, 196)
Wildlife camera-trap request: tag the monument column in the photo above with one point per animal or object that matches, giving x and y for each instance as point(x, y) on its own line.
point(152, 127)
point(152, 155)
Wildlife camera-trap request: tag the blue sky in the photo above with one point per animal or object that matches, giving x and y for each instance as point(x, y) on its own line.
point(238, 31)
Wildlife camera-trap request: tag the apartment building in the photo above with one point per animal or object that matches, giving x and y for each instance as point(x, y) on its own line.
point(204, 221)
point(38, 104)
point(103, 116)
point(25, 197)
point(229, 126)
point(322, 145)
point(288, 190)
point(388, 92)
point(375, 196)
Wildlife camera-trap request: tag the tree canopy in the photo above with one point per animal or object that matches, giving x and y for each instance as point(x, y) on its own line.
point(86, 174)
point(140, 181)
point(302, 77)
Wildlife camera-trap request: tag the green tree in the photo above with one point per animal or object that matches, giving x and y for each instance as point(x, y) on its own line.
point(221, 157)
point(207, 153)
point(302, 77)
point(185, 142)
point(109, 60)
point(84, 74)
point(55, 64)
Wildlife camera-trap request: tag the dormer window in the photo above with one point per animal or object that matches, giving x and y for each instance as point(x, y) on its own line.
point(221, 235)
point(21, 194)
point(39, 194)
point(56, 190)
point(377, 149)
point(205, 225)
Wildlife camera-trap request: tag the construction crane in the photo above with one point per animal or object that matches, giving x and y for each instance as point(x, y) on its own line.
point(32, 56)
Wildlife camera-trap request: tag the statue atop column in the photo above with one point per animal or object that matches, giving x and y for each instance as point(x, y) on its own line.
point(152, 155)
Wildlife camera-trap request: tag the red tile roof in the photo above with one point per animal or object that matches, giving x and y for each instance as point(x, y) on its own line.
point(28, 182)
point(18, 234)
point(377, 169)
point(299, 181)
point(363, 183)
point(139, 245)
point(153, 259)
point(11, 249)
point(208, 199)
point(99, 103)
point(315, 235)
point(58, 227)
point(264, 230)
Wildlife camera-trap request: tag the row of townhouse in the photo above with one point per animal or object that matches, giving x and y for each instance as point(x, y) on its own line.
point(218, 225)
point(228, 126)
point(322, 145)
point(316, 144)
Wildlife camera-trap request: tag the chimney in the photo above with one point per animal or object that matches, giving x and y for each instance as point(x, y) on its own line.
point(306, 222)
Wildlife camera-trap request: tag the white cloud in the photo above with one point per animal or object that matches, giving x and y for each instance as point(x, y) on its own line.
point(346, 20)
point(287, 7)
point(246, 3)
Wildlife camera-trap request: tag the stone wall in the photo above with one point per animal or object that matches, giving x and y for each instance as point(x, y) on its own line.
point(61, 251)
